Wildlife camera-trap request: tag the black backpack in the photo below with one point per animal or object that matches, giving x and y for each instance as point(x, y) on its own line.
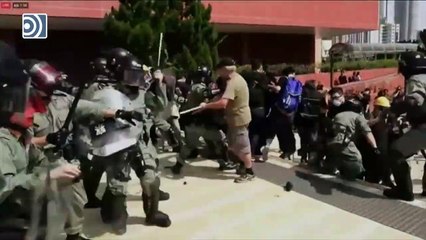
point(310, 106)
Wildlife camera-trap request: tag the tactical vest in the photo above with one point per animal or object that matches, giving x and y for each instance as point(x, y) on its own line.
point(416, 88)
point(113, 135)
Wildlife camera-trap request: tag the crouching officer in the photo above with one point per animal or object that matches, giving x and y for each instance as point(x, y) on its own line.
point(413, 67)
point(160, 96)
point(347, 126)
point(204, 124)
point(20, 184)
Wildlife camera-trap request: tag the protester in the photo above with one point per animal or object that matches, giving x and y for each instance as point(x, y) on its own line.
point(288, 93)
point(307, 122)
point(378, 123)
point(353, 77)
point(235, 101)
point(257, 84)
point(342, 78)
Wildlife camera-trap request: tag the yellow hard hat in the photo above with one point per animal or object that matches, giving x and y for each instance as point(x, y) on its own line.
point(382, 102)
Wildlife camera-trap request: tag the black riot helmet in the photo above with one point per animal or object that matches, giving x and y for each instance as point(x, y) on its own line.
point(113, 58)
point(44, 77)
point(412, 63)
point(129, 71)
point(99, 67)
point(14, 82)
point(202, 75)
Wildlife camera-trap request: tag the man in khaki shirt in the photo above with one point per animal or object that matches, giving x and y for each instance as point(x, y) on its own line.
point(235, 101)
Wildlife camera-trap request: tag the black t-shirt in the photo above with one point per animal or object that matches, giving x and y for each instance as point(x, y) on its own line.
point(343, 79)
point(257, 83)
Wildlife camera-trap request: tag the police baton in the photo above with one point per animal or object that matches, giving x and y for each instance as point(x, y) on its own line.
point(190, 110)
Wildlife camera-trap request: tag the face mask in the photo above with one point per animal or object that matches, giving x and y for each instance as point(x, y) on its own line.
point(291, 76)
point(336, 102)
point(39, 103)
point(24, 120)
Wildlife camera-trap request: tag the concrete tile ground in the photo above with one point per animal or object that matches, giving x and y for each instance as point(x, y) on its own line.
point(206, 204)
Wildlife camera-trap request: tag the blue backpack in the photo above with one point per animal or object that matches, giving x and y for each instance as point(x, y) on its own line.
point(290, 95)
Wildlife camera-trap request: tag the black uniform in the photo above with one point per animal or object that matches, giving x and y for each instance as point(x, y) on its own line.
point(412, 67)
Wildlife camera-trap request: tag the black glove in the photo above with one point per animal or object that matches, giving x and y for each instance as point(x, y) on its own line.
point(173, 141)
point(129, 116)
point(376, 151)
point(207, 93)
point(58, 138)
point(153, 135)
point(68, 152)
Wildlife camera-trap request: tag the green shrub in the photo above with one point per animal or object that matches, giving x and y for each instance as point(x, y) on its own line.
point(276, 69)
point(360, 65)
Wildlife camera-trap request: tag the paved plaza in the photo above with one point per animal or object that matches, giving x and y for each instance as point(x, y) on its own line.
point(206, 204)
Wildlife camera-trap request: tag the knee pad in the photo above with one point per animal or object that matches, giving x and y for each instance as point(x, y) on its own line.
point(150, 182)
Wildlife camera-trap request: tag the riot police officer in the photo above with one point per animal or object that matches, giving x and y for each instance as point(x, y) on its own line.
point(16, 196)
point(46, 81)
point(206, 124)
point(122, 146)
point(412, 66)
point(92, 168)
point(160, 96)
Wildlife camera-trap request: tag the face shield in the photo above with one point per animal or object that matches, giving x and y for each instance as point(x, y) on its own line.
point(133, 78)
point(14, 98)
point(45, 77)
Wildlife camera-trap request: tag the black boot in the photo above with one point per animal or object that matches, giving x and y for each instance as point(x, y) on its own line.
point(150, 205)
point(404, 185)
point(177, 168)
point(119, 215)
point(394, 193)
point(91, 181)
point(194, 154)
point(106, 204)
point(164, 196)
point(93, 203)
point(76, 237)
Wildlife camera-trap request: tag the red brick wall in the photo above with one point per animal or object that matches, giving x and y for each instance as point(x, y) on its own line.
point(324, 78)
point(270, 48)
point(328, 14)
point(391, 83)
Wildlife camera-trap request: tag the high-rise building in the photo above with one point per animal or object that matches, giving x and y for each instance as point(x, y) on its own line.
point(396, 23)
point(389, 33)
point(410, 16)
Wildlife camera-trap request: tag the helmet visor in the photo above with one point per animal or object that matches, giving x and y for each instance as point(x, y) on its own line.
point(14, 98)
point(46, 78)
point(134, 78)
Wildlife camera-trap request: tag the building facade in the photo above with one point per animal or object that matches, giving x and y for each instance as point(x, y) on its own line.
point(399, 21)
point(273, 31)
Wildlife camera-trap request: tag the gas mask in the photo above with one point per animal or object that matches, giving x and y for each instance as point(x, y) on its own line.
point(291, 75)
point(337, 102)
point(337, 99)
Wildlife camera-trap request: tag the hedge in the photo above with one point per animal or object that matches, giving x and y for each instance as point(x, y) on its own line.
point(325, 67)
point(362, 64)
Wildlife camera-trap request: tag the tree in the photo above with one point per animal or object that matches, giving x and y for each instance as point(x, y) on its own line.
point(189, 37)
